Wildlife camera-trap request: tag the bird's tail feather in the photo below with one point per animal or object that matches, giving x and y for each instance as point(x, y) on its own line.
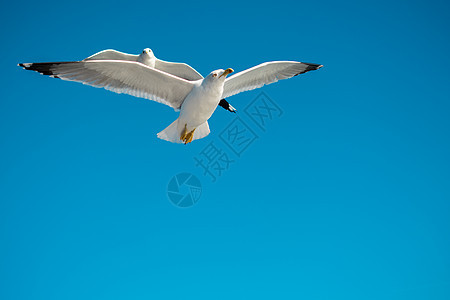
point(173, 132)
point(201, 131)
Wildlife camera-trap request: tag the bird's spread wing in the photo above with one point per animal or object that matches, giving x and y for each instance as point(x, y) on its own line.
point(112, 55)
point(178, 69)
point(265, 73)
point(132, 78)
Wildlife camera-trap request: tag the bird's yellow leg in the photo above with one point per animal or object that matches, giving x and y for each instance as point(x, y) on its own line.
point(186, 137)
point(183, 133)
point(189, 136)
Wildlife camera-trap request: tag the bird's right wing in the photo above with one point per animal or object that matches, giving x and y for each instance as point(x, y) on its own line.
point(178, 69)
point(265, 73)
point(132, 78)
point(111, 54)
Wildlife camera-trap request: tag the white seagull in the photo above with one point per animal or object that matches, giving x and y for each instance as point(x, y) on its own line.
point(147, 57)
point(196, 99)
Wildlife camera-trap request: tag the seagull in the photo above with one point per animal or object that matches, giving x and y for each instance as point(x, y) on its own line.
point(147, 57)
point(195, 99)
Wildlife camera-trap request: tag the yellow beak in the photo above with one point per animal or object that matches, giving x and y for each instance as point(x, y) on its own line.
point(226, 72)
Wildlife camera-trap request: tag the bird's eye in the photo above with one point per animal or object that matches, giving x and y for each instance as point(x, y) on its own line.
point(214, 75)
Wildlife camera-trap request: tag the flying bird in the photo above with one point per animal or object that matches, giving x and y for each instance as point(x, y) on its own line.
point(196, 99)
point(148, 58)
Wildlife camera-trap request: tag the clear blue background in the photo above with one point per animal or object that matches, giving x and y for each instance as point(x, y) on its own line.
point(346, 196)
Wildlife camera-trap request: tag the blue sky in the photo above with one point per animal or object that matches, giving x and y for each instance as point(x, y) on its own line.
point(344, 196)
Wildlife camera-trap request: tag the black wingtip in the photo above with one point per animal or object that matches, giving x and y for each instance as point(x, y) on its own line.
point(224, 103)
point(43, 68)
point(310, 67)
point(313, 67)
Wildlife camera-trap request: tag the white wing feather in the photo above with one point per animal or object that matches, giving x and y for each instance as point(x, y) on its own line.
point(178, 69)
point(111, 54)
point(128, 77)
point(264, 73)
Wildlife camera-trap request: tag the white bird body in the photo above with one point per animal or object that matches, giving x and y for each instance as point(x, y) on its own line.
point(201, 102)
point(175, 84)
point(197, 108)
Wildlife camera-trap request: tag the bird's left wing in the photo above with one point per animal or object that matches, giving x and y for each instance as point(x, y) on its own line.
point(127, 77)
point(265, 73)
point(178, 69)
point(111, 54)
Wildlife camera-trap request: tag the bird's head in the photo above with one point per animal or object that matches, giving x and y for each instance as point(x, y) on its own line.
point(216, 79)
point(147, 51)
point(219, 75)
point(147, 57)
